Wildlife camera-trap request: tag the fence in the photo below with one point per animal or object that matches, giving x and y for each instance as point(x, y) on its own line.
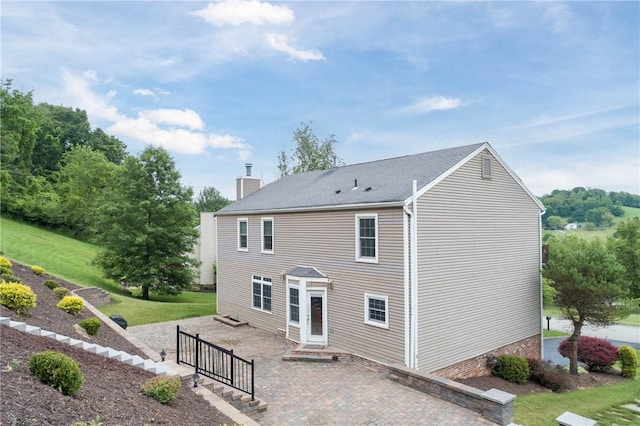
point(215, 362)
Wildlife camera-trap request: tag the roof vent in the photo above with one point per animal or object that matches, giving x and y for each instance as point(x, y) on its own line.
point(367, 189)
point(248, 166)
point(338, 191)
point(486, 167)
point(355, 184)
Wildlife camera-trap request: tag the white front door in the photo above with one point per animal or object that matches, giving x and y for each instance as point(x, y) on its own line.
point(316, 316)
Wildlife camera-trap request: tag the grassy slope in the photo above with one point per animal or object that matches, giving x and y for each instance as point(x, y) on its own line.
point(71, 260)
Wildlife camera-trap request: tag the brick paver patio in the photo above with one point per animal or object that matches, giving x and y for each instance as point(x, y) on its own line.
point(302, 393)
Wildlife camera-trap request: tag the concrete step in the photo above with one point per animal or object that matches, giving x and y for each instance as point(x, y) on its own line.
point(308, 357)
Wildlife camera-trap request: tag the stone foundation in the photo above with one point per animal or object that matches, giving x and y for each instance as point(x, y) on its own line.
point(473, 367)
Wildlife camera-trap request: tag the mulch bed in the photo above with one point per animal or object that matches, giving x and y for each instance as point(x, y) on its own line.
point(111, 389)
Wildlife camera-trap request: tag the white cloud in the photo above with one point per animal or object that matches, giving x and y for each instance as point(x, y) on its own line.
point(173, 129)
point(434, 103)
point(280, 43)
point(239, 12)
point(145, 92)
point(177, 117)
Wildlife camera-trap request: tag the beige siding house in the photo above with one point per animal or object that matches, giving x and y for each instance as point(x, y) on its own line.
point(430, 261)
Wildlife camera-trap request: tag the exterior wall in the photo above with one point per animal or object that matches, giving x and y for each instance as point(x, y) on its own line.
point(478, 266)
point(528, 348)
point(326, 241)
point(205, 250)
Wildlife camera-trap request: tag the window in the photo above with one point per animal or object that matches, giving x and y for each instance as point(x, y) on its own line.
point(366, 238)
point(267, 235)
point(375, 310)
point(261, 293)
point(294, 305)
point(243, 234)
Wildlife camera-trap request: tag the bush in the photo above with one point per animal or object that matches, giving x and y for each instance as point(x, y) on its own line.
point(629, 361)
point(162, 388)
point(91, 325)
point(595, 353)
point(513, 368)
point(10, 278)
point(555, 378)
point(38, 270)
point(5, 263)
point(71, 304)
point(51, 284)
point(61, 292)
point(18, 297)
point(57, 370)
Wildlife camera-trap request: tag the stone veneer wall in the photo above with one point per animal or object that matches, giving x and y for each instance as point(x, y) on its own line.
point(473, 367)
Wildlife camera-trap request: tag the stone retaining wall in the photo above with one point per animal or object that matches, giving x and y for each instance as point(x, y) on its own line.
point(493, 404)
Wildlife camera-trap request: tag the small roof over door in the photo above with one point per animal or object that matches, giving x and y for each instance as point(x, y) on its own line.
point(305, 272)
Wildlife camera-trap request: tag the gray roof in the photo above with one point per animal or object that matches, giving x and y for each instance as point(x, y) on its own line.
point(305, 272)
point(382, 181)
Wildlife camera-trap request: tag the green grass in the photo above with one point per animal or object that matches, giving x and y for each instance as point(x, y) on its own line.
point(71, 260)
point(553, 333)
point(633, 319)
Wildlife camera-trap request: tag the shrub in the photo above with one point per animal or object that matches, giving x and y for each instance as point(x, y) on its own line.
point(91, 325)
point(18, 297)
point(629, 361)
point(10, 278)
point(38, 270)
point(513, 368)
point(5, 263)
point(162, 388)
point(51, 284)
point(594, 352)
point(71, 304)
point(57, 370)
point(61, 292)
point(555, 378)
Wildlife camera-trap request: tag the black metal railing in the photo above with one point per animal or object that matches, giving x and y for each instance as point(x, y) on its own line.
point(215, 362)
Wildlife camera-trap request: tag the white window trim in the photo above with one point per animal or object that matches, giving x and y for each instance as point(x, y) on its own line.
point(367, 320)
point(262, 283)
point(362, 258)
point(289, 320)
point(273, 235)
point(246, 220)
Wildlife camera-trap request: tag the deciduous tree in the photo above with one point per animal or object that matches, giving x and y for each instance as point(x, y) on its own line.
point(310, 152)
point(210, 200)
point(147, 225)
point(590, 285)
point(626, 245)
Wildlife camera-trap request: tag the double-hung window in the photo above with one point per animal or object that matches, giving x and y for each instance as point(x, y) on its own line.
point(243, 234)
point(294, 305)
point(367, 238)
point(267, 235)
point(376, 310)
point(261, 291)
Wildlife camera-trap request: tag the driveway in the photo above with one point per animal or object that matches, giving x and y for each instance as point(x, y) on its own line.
point(301, 393)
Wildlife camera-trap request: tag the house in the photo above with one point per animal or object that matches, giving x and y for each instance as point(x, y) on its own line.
point(570, 226)
point(431, 261)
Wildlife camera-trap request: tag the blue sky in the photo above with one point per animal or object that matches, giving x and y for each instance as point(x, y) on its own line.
point(554, 87)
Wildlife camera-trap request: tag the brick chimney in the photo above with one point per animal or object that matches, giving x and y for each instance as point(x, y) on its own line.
point(246, 185)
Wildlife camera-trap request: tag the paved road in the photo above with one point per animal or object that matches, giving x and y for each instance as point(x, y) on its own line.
point(300, 393)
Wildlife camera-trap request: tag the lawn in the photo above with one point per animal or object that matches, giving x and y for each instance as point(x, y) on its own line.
point(603, 404)
point(71, 260)
point(633, 319)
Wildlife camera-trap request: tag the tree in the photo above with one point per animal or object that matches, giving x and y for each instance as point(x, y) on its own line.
point(590, 285)
point(600, 216)
point(147, 225)
point(210, 200)
point(626, 245)
point(310, 152)
point(555, 222)
point(84, 180)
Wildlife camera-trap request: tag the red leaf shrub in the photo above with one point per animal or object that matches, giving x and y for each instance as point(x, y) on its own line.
point(594, 352)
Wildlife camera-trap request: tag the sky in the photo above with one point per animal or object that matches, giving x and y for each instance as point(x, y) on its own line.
point(554, 87)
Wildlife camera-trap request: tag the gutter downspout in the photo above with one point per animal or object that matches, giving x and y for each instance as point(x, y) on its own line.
point(406, 217)
point(414, 277)
point(540, 284)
